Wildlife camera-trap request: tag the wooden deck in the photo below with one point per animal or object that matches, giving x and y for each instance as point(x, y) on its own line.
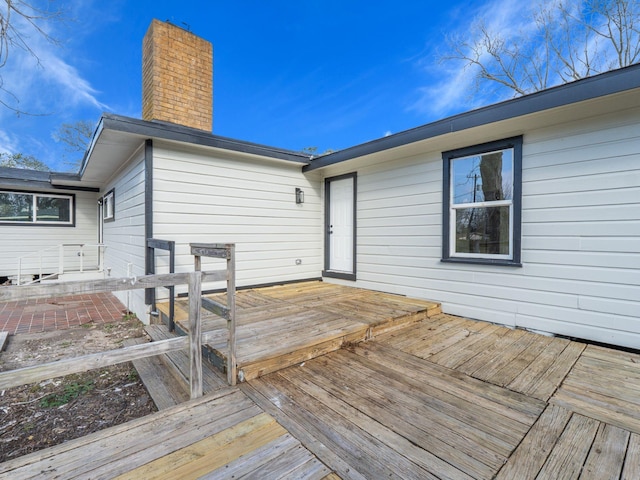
point(445, 397)
point(454, 398)
point(285, 325)
point(222, 436)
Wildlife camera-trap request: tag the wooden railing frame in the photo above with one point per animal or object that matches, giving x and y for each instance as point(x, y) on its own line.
point(226, 251)
point(154, 244)
point(85, 363)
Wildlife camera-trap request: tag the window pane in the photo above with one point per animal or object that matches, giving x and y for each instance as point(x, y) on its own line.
point(53, 209)
point(483, 178)
point(16, 207)
point(482, 230)
point(107, 211)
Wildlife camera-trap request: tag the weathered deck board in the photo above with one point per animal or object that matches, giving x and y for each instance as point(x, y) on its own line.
point(345, 448)
point(604, 384)
point(570, 452)
point(469, 347)
point(542, 376)
point(391, 438)
point(489, 397)
point(606, 457)
point(532, 453)
point(566, 445)
point(425, 401)
point(631, 467)
point(283, 325)
point(164, 431)
point(177, 363)
point(197, 438)
point(489, 355)
point(158, 381)
point(522, 361)
point(296, 425)
point(428, 338)
point(385, 409)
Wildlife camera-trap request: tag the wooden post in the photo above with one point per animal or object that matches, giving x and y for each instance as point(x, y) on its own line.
point(231, 322)
point(228, 252)
point(195, 334)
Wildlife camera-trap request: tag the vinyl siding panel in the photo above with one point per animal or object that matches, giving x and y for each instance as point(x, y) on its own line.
point(225, 198)
point(580, 234)
point(124, 237)
point(17, 241)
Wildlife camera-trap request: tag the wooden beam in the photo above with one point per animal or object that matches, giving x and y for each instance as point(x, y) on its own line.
point(216, 250)
point(39, 373)
point(215, 307)
point(195, 334)
point(161, 244)
point(62, 289)
point(232, 366)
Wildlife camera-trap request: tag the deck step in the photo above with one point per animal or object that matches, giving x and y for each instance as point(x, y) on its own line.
point(178, 363)
point(285, 325)
point(157, 378)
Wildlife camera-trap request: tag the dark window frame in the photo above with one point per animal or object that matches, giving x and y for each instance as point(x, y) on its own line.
point(516, 144)
point(111, 218)
point(35, 195)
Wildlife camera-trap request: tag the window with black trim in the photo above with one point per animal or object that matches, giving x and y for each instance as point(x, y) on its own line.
point(109, 206)
point(23, 208)
point(482, 203)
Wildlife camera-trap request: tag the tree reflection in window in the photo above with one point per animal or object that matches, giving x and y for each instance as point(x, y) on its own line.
point(482, 199)
point(33, 208)
point(16, 207)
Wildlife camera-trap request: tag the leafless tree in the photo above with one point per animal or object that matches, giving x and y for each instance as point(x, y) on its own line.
point(18, 160)
point(19, 20)
point(76, 137)
point(567, 40)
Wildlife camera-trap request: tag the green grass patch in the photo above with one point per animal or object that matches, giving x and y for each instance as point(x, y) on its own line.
point(71, 392)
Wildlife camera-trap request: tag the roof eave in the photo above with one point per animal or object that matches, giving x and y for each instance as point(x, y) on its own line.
point(179, 133)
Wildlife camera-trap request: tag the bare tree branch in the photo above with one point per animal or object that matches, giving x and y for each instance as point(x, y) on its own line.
point(573, 40)
point(76, 137)
point(19, 19)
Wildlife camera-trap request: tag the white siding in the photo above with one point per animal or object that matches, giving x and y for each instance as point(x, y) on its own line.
point(580, 234)
point(203, 197)
point(17, 241)
point(124, 237)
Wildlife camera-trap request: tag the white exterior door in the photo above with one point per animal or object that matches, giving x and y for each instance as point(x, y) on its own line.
point(341, 225)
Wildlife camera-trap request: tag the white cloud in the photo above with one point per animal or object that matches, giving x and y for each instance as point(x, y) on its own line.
point(47, 81)
point(454, 89)
point(74, 87)
point(7, 143)
point(49, 87)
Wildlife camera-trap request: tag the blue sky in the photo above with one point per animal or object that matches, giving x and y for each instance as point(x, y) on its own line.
point(290, 74)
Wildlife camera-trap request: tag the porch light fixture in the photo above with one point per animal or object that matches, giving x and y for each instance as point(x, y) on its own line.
point(299, 196)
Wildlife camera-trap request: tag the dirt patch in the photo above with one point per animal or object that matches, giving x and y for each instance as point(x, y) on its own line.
point(40, 415)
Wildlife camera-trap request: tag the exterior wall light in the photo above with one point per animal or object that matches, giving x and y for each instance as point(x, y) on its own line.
point(299, 196)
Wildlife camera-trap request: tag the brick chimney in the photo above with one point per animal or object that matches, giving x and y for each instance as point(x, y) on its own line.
point(177, 77)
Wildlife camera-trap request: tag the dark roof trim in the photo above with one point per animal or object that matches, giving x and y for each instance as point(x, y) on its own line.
point(589, 88)
point(30, 179)
point(23, 174)
point(170, 131)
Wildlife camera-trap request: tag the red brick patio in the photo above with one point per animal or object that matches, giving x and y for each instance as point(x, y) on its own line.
point(32, 316)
